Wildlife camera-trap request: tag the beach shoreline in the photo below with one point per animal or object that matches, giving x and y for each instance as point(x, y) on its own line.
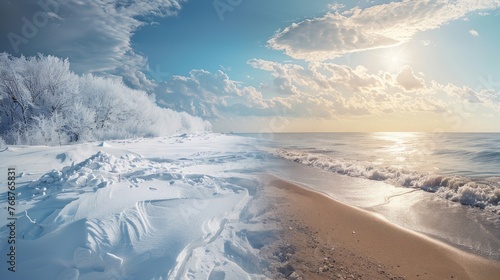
point(320, 238)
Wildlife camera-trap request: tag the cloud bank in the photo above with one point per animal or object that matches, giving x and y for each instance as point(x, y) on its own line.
point(317, 90)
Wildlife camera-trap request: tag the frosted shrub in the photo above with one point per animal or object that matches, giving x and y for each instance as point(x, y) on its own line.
point(2, 143)
point(44, 131)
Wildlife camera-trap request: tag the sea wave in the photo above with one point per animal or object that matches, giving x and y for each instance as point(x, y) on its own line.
point(483, 193)
point(484, 155)
point(488, 156)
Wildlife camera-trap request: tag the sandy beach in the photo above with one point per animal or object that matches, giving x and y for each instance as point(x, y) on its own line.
point(320, 238)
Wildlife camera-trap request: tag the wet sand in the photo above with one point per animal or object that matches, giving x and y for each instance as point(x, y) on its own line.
point(320, 238)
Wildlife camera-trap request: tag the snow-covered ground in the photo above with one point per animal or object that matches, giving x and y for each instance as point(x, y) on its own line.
point(161, 208)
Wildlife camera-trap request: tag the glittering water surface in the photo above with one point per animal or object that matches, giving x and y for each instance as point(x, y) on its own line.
point(463, 154)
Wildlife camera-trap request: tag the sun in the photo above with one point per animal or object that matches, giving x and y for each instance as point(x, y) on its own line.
point(395, 58)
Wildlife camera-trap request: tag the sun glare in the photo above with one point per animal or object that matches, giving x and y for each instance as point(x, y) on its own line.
point(395, 58)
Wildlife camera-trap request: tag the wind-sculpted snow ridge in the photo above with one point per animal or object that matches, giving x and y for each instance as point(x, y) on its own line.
point(483, 193)
point(176, 212)
point(97, 171)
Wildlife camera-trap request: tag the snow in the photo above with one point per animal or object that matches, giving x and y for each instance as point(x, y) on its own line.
point(159, 208)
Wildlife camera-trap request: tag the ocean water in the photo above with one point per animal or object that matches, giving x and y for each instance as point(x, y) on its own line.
point(446, 185)
point(461, 167)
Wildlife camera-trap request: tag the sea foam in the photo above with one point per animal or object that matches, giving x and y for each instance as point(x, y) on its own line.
point(483, 193)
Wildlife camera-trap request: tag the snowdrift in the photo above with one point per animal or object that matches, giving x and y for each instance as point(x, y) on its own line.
point(160, 208)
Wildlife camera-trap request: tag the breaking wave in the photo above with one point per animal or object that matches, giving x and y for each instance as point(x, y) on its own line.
point(483, 193)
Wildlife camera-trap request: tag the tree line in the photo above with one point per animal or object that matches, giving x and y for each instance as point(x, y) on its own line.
point(43, 102)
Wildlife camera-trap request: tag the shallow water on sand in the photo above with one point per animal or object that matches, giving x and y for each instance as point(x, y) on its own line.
point(467, 228)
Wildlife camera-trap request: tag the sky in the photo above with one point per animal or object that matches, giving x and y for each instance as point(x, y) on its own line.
point(283, 65)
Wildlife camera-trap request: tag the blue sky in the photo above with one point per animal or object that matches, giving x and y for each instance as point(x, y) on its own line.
point(198, 38)
point(284, 65)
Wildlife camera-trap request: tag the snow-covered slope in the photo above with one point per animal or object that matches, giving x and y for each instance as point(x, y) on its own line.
point(161, 208)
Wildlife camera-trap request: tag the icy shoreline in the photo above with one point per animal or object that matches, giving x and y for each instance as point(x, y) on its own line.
point(160, 208)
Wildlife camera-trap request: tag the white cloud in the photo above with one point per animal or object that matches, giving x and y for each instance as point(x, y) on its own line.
point(354, 91)
point(209, 95)
point(407, 79)
point(487, 97)
point(385, 25)
point(282, 73)
point(425, 43)
point(335, 6)
point(474, 33)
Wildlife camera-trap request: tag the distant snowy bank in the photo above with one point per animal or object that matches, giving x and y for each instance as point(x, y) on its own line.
point(43, 103)
point(161, 208)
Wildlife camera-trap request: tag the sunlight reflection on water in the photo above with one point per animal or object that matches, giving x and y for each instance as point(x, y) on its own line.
point(464, 154)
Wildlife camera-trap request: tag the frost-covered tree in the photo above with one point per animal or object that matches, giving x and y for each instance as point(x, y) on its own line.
point(43, 102)
point(15, 100)
point(33, 88)
point(51, 84)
